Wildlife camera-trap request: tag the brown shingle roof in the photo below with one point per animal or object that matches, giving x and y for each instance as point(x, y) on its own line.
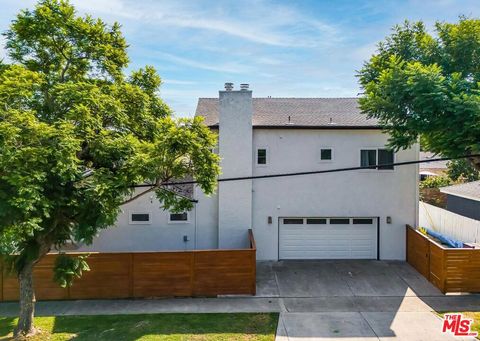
point(303, 112)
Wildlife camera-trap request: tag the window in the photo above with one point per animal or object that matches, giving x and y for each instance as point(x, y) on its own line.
point(369, 157)
point(316, 221)
point(359, 221)
point(262, 156)
point(385, 157)
point(292, 221)
point(326, 154)
point(339, 221)
point(139, 218)
point(178, 217)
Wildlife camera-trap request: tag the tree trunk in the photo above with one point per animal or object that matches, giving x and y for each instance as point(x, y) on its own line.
point(27, 302)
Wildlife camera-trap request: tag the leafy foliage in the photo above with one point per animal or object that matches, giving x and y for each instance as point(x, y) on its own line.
point(76, 134)
point(418, 84)
point(68, 267)
point(461, 170)
point(435, 182)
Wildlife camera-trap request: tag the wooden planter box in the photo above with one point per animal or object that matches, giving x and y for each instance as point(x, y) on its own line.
point(147, 274)
point(450, 270)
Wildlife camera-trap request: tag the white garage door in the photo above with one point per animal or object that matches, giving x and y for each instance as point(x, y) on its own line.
point(328, 238)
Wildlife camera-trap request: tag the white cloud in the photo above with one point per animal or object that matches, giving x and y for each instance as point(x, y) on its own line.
point(117, 8)
point(228, 67)
point(260, 22)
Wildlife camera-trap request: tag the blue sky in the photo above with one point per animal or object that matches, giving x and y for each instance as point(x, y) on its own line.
point(282, 48)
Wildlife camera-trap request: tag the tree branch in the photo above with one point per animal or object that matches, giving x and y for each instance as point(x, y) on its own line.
point(140, 194)
point(64, 70)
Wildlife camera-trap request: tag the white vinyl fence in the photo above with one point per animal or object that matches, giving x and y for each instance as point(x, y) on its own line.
point(450, 224)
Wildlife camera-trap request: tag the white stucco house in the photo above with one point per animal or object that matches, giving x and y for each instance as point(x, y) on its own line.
point(358, 214)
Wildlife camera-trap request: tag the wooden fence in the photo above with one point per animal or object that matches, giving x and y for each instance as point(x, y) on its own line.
point(450, 270)
point(148, 274)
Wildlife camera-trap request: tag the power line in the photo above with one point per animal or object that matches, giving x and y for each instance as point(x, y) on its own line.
point(335, 170)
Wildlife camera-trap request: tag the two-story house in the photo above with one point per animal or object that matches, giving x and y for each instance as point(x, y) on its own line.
point(359, 214)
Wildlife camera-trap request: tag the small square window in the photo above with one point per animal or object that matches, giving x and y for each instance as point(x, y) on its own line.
point(178, 217)
point(139, 218)
point(261, 156)
point(326, 154)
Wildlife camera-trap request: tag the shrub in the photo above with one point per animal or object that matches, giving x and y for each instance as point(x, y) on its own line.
point(436, 182)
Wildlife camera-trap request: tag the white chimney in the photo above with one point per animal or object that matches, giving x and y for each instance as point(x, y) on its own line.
point(228, 86)
point(235, 150)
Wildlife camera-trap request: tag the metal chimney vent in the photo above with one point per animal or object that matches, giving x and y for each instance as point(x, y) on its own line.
point(244, 86)
point(228, 86)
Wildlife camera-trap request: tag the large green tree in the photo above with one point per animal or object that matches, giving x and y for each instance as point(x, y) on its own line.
point(77, 134)
point(428, 85)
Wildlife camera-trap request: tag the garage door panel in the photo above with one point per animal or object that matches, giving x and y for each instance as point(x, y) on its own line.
point(327, 241)
point(317, 248)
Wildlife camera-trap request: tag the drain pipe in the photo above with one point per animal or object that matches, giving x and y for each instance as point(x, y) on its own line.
point(195, 227)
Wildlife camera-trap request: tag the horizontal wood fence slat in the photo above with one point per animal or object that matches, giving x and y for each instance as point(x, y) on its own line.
point(147, 274)
point(450, 270)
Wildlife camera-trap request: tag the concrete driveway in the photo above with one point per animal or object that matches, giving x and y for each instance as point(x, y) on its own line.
point(356, 300)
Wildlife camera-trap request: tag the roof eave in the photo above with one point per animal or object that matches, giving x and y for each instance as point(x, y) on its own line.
point(322, 127)
point(446, 191)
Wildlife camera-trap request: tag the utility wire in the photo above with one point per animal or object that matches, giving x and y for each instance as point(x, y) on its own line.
point(335, 170)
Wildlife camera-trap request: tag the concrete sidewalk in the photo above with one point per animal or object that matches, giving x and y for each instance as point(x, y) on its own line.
point(252, 304)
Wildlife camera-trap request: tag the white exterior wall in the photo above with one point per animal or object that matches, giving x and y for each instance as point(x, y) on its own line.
point(235, 150)
point(207, 220)
point(157, 236)
point(363, 193)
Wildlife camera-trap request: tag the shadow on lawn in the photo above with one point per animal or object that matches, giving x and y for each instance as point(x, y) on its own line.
point(133, 327)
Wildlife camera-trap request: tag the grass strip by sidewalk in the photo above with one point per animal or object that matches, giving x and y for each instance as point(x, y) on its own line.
point(165, 327)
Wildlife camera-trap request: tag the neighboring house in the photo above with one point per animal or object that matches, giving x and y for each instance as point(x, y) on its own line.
point(464, 199)
point(434, 168)
point(357, 214)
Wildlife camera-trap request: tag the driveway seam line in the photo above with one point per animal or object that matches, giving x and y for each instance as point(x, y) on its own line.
point(369, 325)
point(284, 325)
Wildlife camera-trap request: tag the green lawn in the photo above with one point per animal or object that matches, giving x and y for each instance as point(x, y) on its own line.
point(251, 327)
